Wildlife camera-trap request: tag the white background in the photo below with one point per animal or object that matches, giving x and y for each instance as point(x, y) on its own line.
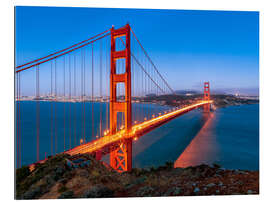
point(7, 86)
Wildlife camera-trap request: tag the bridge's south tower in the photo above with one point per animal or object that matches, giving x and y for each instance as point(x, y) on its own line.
point(206, 96)
point(121, 155)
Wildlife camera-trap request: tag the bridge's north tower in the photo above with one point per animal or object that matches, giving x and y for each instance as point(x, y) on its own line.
point(206, 96)
point(121, 155)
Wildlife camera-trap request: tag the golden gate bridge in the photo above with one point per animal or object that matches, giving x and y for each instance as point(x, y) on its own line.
point(111, 68)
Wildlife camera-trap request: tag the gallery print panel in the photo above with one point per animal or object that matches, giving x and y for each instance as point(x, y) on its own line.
point(135, 102)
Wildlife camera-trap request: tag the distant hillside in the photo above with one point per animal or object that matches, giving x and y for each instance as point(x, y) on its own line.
point(184, 92)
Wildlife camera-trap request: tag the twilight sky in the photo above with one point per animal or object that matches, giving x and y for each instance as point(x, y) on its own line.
point(188, 47)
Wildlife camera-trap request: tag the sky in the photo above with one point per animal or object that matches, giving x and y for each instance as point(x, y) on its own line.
point(188, 47)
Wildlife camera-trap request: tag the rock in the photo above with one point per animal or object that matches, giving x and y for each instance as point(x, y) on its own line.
point(177, 170)
point(66, 194)
point(59, 171)
point(207, 172)
point(49, 180)
point(32, 193)
point(83, 173)
point(240, 182)
point(107, 179)
point(53, 176)
point(236, 193)
point(68, 175)
point(137, 181)
point(210, 185)
point(196, 190)
point(239, 172)
point(63, 181)
point(168, 192)
point(177, 191)
point(219, 171)
point(173, 191)
point(98, 191)
point(145, 191)
point(157, 194)
point(242, 172)
point(215, 165)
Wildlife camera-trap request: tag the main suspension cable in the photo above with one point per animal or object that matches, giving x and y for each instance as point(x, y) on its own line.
point(152, 62)
point(63, 49)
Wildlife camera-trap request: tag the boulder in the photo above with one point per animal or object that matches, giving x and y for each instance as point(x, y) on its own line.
point(145, 191)
point(83, 173)
point(210, 185)
point(32, 193)
point(137, 181)
point(173, 191)
point(196, 190)
point(98, 191)
point(66, 195)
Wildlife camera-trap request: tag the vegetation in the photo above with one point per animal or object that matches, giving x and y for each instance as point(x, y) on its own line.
point(64, 176)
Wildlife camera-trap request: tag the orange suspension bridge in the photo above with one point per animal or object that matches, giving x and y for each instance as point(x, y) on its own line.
point(100, 83)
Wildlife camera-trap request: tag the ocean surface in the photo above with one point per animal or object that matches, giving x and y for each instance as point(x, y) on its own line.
point(228, 136)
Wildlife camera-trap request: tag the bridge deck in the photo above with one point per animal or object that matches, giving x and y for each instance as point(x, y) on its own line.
point(137, 130)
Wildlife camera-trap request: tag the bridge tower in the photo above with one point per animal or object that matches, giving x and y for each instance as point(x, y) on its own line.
point(121, 156)
point(206, 96)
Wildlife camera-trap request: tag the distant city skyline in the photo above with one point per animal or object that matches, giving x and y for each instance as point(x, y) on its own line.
point(188, 47)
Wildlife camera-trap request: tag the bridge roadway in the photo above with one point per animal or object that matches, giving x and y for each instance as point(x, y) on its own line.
point(105, 143)
point(102, 144)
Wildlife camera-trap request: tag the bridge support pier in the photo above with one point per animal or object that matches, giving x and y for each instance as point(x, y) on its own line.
point(121, 157)
point(98, 155)
point(206, 97)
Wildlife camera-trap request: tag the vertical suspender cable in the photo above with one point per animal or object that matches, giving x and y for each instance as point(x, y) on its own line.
point(100, 116)
point(69, 70)
point(17, 119)
point(20, 144)
point(84, 95)
point(64, 95)
point(55, 109)
point(51, 108)
point(142, 94)
point(122, 90)
point(37, 110)
point(81, 93)
point(92, 91)
point(75, 100)
point(107, 85)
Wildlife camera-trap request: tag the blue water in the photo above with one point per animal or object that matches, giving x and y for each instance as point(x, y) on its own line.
point(229, 136)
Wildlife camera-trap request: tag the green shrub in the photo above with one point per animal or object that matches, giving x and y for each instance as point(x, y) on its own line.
point(169, 164)
point(22, 173)
point(62, 188)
